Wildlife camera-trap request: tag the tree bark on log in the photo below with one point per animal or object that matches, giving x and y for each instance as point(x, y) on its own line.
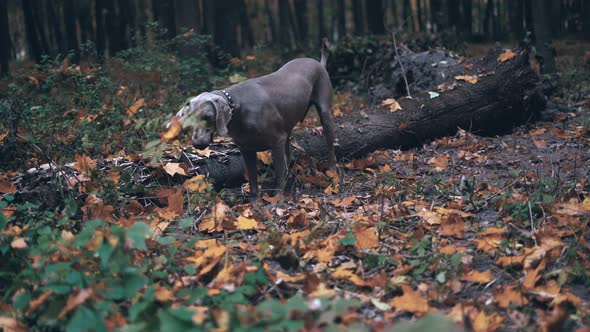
point(506, 95)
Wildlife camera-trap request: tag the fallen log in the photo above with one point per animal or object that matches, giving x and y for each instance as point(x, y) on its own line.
point(501, 94)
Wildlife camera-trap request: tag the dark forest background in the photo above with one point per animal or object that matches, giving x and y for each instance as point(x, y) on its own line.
point(30, 29)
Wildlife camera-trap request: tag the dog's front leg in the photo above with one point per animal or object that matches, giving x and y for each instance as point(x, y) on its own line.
point(250, 159)
point(279, 160)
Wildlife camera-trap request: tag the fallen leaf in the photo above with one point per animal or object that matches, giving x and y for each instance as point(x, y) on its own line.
point(467, 78)
point(200, 314)
point(173, 130)
point(343, 202)
point(507, 55)
point(36, 303)
point(476, 276)
point(343, 274)
point(174, 168)
point(430, 217)
point(11, 324)
point(18, 243)
point(411, 301)
point(246, 223)
point(393, 105)
point(84, 164)
point(509, 295)
point(7, 187)
point(135, 107)
point(265, 157)
point(366, 238)
point(163, 294)
point(196, 184)
point(74, 300)
point(532, 276)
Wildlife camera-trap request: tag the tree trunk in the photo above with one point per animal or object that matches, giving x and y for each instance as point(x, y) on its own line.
point(454, 16)
point(100, 36)
point(407, 17)
point(321, 20)
point(164, 13)
point(586, 19)
point(341, 10)
point(245, 27)
point(554, 8)
point(208, 15)
point(437, 15)
point(543, 37)
point(419, 15)
point(302, 19)
point(5, 44)
point(53, 16)
point(487, 19)
point(187, 15)
point(467, 19)
point(375, 16)
point(34, 47)
point(225, 22)
point(516, 11)
point(71, 32)
point(496, 104)
point(84, 10)
point(284, 24)
point(528, 14)
point(358, 17)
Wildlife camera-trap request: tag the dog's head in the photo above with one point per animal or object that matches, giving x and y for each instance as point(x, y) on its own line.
point(204, 115)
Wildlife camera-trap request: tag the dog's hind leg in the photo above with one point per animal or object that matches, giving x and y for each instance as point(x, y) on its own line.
point(325, 113)
point(279, 160)
point(250, 160)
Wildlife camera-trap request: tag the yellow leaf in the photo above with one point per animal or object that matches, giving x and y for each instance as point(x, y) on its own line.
point(265, 157)
point(3, 135)
point(509, 295)
point(247, 223)
point(174, 168)
point(343, 274)
point(196, 184)
point(74, 301)
point(84, 164)
point(467, 78)
point(135, 107)
point(393, 104)
point(411, 301)
point(430, 217)
point(343, 202)
point(174, 129)
point(509, 54)
point(163, 294)
point(18, 243)
point(475, 276)
point(366, 238)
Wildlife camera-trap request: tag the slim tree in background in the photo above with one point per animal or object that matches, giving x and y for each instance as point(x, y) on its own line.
point(436, 15)
point(341, 18)
point(247, 33)
point(375, 16)
point(56, 37)
point(225, 20)
point(467, 7)
point(186, 15)
point(543, 36)
point(321, 19)
point(586, 19)
point(359, 17)
point(516, 13)
point(70, 25)
point(302, 18)
point(4, 39)
point(35, 50)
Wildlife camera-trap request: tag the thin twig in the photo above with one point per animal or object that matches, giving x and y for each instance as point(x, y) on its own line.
point(399, 60)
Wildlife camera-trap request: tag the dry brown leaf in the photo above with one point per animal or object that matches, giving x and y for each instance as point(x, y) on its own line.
point(174, 129)
point(411, 301)
point(392, 104)
point(246, 223)
point(509, 295)
point(163, 294)
point(196, 184)
point(507, 55)
point(201, 314)
point(19, 243)
point(432, 218)
point(6, 187)
point(366, 238)
point(343, 202)
point(265, 157)
point(467, 78)
point(532, 276)
point(36, 303)
point(135, 107)
point(343, 274)
point(475, 276)
point(11, 324)
point(84, 164)
point(174, 168)
point(74, 300)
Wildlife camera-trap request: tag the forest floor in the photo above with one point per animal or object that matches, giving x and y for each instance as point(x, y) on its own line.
point(487, 233)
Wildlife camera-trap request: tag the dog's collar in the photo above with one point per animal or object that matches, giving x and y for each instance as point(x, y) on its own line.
point(230, 102)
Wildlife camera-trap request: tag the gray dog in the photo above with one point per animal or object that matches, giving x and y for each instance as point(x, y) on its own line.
point(260, 113)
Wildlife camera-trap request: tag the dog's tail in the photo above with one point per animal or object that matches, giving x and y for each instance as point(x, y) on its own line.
point(324, 59)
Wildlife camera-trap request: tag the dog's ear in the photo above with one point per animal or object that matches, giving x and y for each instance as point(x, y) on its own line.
point(222, 117)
